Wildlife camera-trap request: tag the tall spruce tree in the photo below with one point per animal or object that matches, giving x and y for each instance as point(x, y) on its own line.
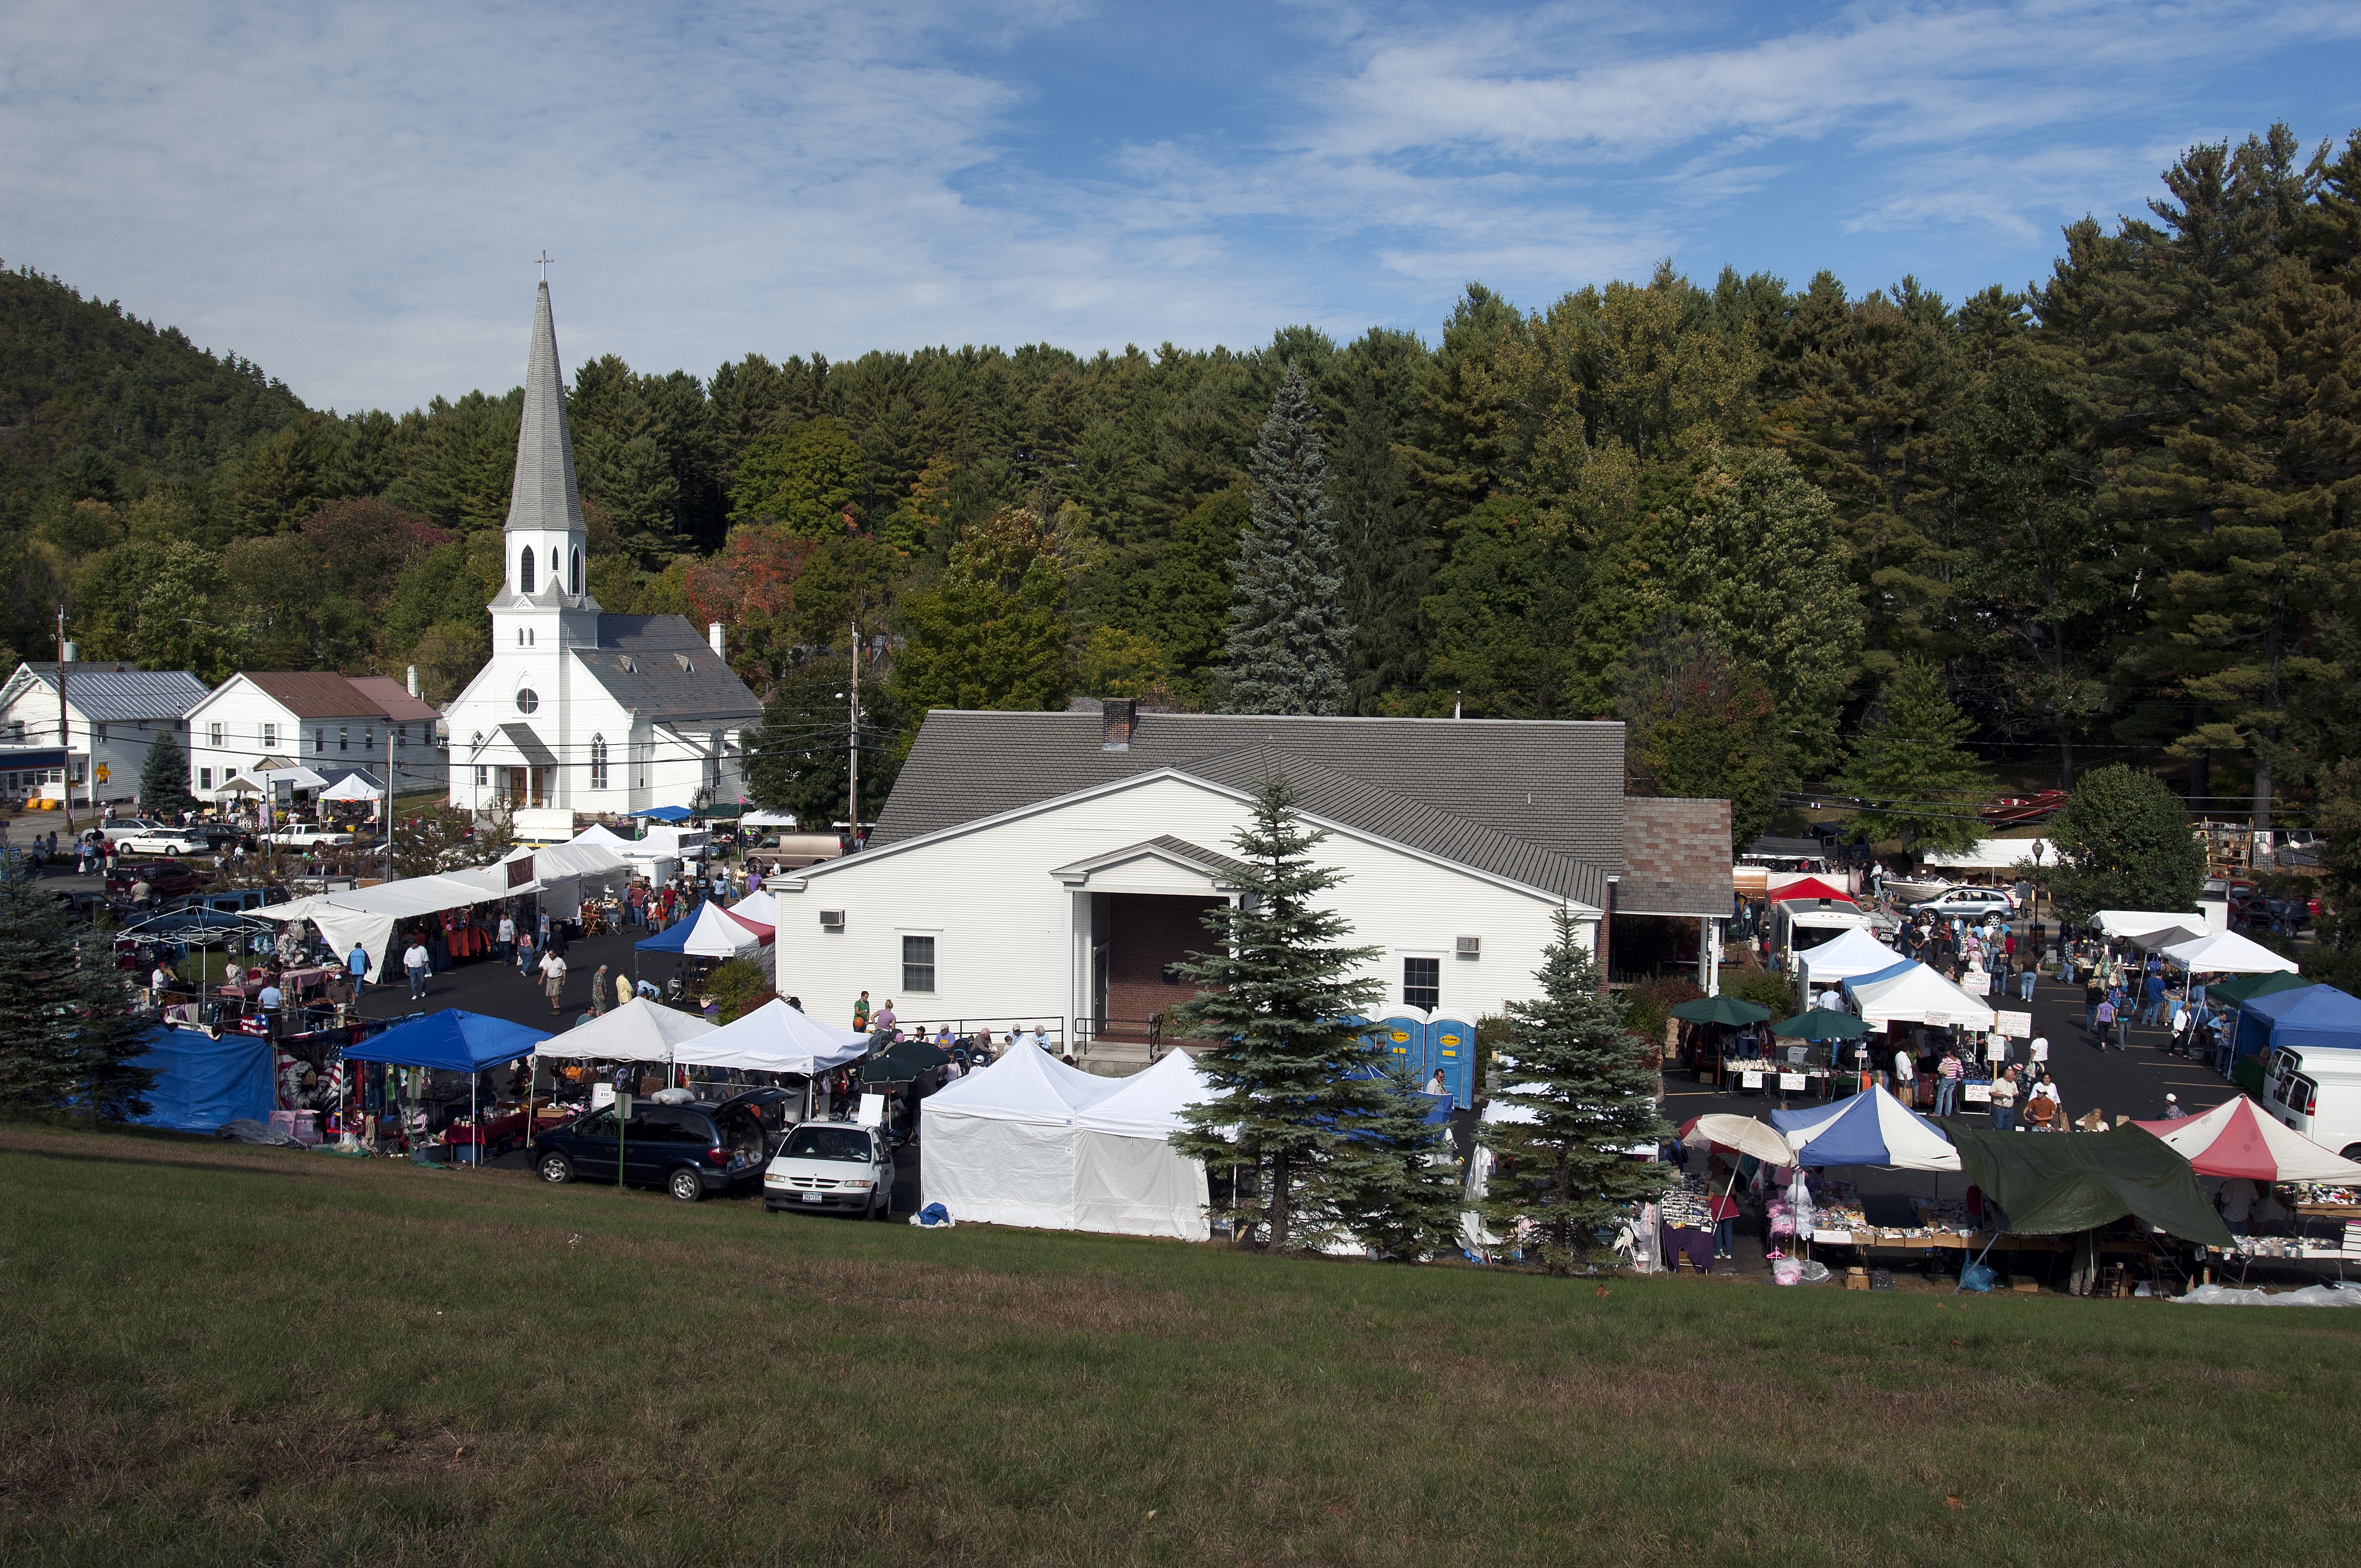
point(1280, 1003)
point(1589, 1096)
point(164, 777)
point(1395, 1180)
point(66, 1038)
point(1913, 778)
point(1290, 643)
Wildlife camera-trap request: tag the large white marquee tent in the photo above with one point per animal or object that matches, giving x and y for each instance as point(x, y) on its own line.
point(1030, 1141)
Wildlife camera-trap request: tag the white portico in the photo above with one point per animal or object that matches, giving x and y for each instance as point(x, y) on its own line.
point(579, 711)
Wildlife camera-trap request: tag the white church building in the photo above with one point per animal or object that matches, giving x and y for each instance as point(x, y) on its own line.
point(580, 711)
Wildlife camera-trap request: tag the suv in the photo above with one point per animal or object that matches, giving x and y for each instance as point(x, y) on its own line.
point(169, 879)
point(832, 1167)
point(688, 1150)
point(1972, 903)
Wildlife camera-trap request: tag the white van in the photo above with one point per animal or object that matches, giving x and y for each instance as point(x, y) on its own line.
point(1798, 927)
point(2318, 1092)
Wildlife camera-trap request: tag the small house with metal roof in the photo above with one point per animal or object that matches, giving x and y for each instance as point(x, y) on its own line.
point(113, 714)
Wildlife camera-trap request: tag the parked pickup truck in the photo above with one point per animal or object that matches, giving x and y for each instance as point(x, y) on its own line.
point(300, 838)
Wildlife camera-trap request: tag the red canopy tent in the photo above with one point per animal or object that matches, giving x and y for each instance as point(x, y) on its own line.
point(2235, 1139)
point(1810, 887)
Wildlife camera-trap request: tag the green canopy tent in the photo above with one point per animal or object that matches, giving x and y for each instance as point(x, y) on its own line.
point(1821, 1023)
point(2245, 988)
point(2077, 1183)
point(1719, 1009)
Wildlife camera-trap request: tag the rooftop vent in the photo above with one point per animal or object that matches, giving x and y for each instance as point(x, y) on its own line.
point(1118, 717)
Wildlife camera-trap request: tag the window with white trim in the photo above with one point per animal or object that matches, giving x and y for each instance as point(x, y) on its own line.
point(204, 778)
point(919, 964)
point(598, 761)
point(270, 736)
point(213, 733)
point(1422, 983)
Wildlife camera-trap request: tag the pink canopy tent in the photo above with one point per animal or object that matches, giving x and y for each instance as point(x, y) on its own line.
point(2235, 1139)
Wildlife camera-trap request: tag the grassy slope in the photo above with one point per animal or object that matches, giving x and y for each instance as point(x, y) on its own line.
point(217, 1355)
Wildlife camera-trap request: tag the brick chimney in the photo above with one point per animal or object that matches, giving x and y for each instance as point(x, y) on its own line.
point(1118, 717)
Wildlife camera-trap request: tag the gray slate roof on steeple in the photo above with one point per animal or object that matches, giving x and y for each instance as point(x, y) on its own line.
point(544, 495)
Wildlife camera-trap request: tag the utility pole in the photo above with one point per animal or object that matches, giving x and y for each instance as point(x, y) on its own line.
point(385, 806)
point(851, 730)
point(65, 727)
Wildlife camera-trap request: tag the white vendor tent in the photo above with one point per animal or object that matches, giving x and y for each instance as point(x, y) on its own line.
point(2115, 923)
point(1854, 952)
point(715, 933)
point(1994, 855)
point(767, 820)
point(352, 786)
point(759, 906)
point(1000, 1143)
point(776, 1037)
point(655, 858)
point(1918, 995)
point(1128, 1178)
point(639, 1030)
point(2226, 953)
point(368, 916)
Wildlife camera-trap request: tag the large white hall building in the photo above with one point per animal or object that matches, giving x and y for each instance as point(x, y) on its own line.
point(578, 710)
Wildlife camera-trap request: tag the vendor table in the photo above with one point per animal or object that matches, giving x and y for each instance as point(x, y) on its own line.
point(1946, 1241)
point(1778, 1077)
point(498, 1128)
point(293, 983)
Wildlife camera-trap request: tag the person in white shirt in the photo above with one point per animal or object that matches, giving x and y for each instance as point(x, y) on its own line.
point(415, 963)
point(553, 977)
point(2038, 1053)
point(1832, 999)
point(506, 935)
point(1906, 1075)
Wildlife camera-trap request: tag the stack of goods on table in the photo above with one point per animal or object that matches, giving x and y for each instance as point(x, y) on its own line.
point(1688, 1206)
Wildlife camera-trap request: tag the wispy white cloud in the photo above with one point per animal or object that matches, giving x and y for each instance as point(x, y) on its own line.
point(350, 193)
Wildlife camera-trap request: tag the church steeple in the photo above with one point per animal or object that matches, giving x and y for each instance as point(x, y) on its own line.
point(545, 539)
point(544, 497)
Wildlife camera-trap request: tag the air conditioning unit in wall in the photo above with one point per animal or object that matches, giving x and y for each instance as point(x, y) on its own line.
point(831, 919)
point(1471, 947)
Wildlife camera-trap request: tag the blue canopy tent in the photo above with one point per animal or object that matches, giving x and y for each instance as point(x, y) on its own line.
point(452, 1041)
point(1866, 1129)
point(664, 814)
point(203, 1080)
point(2317, 1017)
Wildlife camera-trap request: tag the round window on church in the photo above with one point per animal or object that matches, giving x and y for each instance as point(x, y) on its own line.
point(527, 700)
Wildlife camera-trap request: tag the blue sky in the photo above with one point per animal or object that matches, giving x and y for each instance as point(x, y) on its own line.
point(350, 194)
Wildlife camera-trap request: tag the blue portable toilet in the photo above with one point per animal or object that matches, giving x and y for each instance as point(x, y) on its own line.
point(1451, 1048)
point(1404, 1040)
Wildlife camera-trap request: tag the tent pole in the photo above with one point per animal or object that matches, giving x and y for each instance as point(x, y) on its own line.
point(1979, 1257)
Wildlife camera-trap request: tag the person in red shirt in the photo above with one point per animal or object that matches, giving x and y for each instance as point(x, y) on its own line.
point(1725, 1225)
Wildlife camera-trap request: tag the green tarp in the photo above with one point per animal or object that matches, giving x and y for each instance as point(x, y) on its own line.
point(2052, 1183)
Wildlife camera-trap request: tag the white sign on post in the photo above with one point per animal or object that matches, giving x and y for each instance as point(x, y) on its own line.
point(2016, 1025)
point(1978, 1093)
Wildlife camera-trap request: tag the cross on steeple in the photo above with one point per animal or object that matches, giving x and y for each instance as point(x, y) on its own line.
point(543, 260)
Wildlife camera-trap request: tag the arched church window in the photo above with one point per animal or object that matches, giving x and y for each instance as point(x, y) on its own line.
point(577, 572)
point(524, 571)
point(598, 761)
point(555, 576)
point(527, 699)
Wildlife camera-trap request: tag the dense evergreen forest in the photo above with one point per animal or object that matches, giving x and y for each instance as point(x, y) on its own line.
point(2108, 517)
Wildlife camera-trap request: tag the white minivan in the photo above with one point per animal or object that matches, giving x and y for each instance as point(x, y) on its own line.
point(2318, 1092)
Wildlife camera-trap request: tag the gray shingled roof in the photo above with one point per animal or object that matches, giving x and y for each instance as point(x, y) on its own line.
point(118, 694)
point(658, 665)
point(544, 495)
point(1676, 858)
point(1539, 801)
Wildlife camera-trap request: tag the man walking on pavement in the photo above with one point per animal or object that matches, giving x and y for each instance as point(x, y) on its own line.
point(359, 965)
point(553, 976)
point(417, 964)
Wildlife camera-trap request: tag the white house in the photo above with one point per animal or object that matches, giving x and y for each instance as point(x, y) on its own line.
point(329, 723)
point(1050, 868)
point(581, 711)
point(113, 713)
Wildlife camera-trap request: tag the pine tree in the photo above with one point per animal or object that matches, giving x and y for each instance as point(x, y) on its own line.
point(1289, 640)
point(66, 1039)
point(1589, 1096)
point(1279, 998)
point(164, 778)
point(1395, 1181)
point(1913, 779)
point(992, 633)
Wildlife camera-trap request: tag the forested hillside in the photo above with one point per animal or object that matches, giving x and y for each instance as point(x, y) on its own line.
point(2114, 512)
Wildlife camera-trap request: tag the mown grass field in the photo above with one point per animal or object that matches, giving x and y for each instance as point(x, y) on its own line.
point(218, 1355)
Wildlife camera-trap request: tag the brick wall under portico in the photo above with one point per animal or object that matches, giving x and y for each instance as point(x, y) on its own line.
point(1146, 932)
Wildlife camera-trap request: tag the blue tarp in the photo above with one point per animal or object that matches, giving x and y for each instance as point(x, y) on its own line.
point(664, 814)
point(452, 1041)
point(202, 1082)
point(2317, 1017)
